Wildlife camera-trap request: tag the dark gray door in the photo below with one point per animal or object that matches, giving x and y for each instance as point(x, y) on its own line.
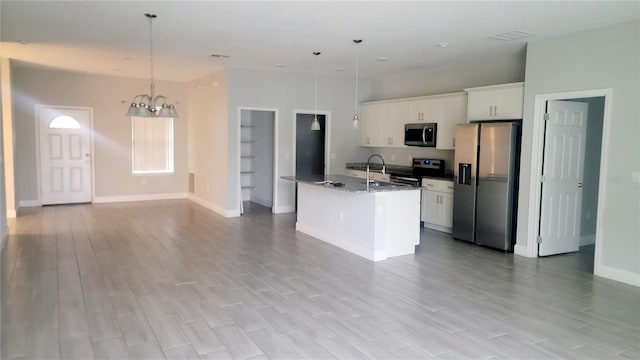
point(309, 146)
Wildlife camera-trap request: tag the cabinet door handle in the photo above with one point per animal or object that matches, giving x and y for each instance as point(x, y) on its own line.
point(495, 110)
point(454, 142)
point(390, 141)
point(491, 110)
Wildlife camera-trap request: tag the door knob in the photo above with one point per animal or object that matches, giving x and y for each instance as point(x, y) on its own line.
point(580, 184)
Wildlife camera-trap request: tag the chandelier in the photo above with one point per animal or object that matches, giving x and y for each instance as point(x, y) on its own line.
point(148, 105)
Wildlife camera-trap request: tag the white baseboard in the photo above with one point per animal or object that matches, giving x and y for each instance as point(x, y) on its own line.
point(589, 239)
point(147, 197)
point(284, 209)
point(30, 203)
point(343, 244)
point(216, 209)
point(11, 214)
point(522, 251)
point(622, 276)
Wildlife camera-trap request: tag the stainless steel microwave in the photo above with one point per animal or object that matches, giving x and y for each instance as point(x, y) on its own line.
point(421, 134)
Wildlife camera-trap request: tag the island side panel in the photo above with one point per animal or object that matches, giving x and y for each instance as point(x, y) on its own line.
point(341, 218)
point(398, 221)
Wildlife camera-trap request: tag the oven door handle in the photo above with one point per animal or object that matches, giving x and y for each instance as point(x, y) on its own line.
point(403, 178)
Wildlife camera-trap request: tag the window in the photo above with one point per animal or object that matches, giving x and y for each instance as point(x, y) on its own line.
point(152, 145)
point(64, 122)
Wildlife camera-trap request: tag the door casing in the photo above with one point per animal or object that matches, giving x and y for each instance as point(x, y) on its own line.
point(537, 154)
point(37, 109)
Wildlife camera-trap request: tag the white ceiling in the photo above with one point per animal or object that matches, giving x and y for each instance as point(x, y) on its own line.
point(111, 37)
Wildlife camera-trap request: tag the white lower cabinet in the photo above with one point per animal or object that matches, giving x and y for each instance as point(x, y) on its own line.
point(437, 204)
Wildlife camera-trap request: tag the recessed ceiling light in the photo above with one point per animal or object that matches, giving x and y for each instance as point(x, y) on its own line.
point(339, 69)
point(383, 59)
point(280, 65)
point(511, 35)
point(23, 42)
point(443, 44)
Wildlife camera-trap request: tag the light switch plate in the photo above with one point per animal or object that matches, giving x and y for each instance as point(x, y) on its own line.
point(635, 177)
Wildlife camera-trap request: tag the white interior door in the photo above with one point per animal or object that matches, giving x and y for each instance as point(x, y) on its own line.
point(65, 155)
point(563, 170)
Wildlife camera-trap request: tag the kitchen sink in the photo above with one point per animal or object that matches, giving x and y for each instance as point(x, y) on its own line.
point(379, 184)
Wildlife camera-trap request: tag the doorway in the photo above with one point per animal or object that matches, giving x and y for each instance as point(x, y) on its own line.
point(310, 146)
point(65, 154)
point(257, 160)
point(571, 128)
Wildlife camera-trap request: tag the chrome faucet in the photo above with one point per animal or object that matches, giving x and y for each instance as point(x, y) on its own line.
point(369, 162)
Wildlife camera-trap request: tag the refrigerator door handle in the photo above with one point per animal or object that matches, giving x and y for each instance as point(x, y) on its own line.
point(424, 140)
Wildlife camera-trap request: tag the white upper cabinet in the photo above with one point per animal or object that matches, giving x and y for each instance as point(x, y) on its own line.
point(452, 110)
point(496, 102)
point(382, 122)
point(369, 125)
point(391, 119)
point(423, 110)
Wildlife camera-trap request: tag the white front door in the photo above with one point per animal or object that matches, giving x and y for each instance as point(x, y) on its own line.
point(65, 155)
point(563, 170)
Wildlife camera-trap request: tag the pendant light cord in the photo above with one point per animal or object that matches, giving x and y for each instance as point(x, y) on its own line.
point(356, 102)
point(315, 106)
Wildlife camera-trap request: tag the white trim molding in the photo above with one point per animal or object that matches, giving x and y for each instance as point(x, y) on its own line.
point(216, 209)
point(30, 203)
point(620, 275)
point(11, 214)
point(148, 197)
point(284, 209)
point(536, 169)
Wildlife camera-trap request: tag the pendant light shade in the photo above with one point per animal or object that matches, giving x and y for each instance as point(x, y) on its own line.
point(146, 105)
point(315, 124)
point(356, 120)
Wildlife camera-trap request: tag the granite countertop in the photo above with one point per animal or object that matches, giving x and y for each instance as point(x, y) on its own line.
point(351, 184)
point(389, 169)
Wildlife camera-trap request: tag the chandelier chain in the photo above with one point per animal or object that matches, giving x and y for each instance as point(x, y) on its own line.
point(151, 55)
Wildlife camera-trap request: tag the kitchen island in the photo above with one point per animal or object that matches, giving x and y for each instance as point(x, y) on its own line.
point(378, 221)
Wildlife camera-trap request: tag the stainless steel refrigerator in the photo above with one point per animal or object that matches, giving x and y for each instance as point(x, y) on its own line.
point(486, 183)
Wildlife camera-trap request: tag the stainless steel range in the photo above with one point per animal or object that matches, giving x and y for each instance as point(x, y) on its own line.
point(428, 167)
point(421, 167)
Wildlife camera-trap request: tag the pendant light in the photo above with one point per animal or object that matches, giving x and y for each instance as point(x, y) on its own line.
point(356, 120)
point(315, 125)
point(147, 107)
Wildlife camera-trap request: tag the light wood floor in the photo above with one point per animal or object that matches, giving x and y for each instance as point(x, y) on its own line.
point(171, 279)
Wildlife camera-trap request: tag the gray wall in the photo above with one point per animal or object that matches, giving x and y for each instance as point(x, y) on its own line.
point(288, 92)
point(595, 59)
point(429, 81)
point(112, 129)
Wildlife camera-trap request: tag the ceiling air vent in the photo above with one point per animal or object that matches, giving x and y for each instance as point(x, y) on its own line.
point(511, 35)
